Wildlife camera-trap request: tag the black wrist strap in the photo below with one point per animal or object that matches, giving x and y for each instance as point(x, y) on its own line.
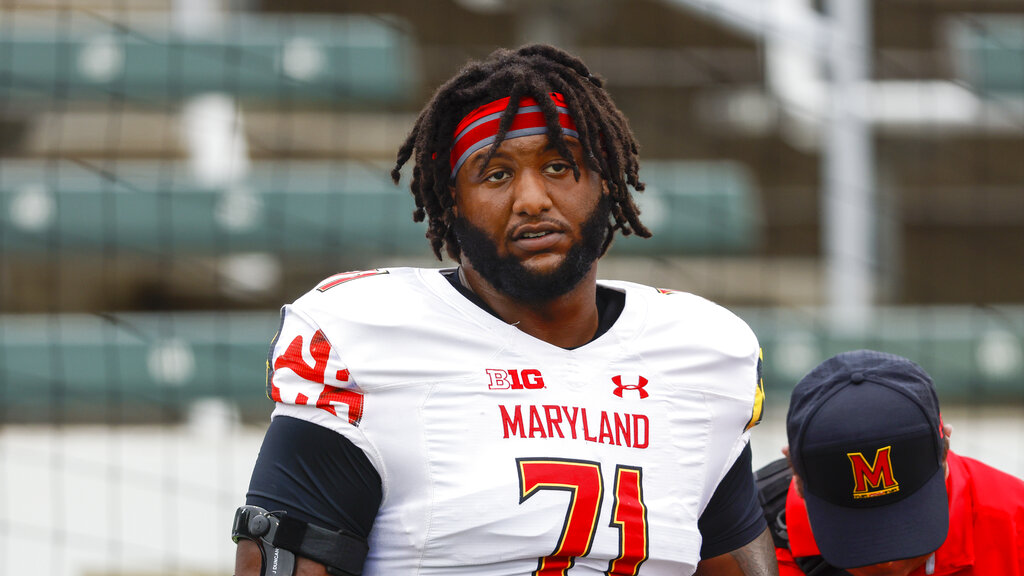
point(341, 552)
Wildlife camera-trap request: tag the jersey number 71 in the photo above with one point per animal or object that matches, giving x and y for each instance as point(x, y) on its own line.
point(585, 484)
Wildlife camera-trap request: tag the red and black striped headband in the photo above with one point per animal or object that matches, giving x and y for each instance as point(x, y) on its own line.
point(480, 127)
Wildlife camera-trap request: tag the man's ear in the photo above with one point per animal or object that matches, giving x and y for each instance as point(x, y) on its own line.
point(799, 484)
point(799, 480)
point(455, 205)
point(947, 431)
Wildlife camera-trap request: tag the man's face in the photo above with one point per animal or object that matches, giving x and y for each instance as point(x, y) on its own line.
point(895, 568)
point(525, 224)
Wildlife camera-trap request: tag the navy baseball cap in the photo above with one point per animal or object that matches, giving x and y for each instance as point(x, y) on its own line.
point(866, 437)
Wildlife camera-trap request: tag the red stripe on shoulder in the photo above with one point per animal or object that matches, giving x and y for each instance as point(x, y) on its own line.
point(339, 279)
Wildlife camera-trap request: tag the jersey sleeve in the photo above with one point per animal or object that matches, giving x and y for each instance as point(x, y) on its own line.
point(315, 475)
point(313, 463)
point(737, 398)
point(757, 408)
point(733, 517)
point(304, 369)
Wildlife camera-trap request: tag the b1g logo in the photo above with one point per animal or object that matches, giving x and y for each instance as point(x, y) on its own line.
point(514, 379)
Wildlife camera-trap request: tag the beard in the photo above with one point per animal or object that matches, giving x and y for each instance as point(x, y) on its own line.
point(508, 275)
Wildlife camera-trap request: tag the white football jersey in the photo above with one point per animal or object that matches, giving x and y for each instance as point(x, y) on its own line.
point(503, 455)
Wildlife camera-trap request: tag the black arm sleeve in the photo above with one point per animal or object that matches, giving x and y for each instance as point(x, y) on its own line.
point(316, 475)
point(734, 516)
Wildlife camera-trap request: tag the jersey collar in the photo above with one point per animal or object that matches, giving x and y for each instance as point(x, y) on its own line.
point(625, 327)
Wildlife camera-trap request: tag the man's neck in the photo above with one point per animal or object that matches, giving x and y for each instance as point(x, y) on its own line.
point(568, 321)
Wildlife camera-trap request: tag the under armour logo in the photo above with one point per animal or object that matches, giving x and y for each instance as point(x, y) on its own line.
point(639, 386)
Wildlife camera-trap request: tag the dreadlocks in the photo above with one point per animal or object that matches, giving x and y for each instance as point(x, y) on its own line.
point(534, 71)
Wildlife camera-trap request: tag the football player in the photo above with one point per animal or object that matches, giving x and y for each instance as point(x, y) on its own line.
point(514, 414)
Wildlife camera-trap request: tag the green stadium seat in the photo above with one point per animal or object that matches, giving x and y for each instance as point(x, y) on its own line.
point(310, 207)
point(79, 366)
point(150, 207)
point(973, 354)
point(988, 51)
point(282, 59)
point(696, 207)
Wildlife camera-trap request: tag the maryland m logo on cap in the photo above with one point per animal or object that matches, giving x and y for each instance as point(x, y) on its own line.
point(874, 479)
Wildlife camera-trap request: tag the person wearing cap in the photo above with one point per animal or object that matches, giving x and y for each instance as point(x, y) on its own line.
point(871, 488)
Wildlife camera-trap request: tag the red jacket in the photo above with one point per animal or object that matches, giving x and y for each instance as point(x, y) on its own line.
point(986, 524)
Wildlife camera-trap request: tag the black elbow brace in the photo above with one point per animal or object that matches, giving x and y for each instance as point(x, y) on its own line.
point(280, 538)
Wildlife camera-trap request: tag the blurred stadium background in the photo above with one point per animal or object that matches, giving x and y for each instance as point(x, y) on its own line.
point(841, 173)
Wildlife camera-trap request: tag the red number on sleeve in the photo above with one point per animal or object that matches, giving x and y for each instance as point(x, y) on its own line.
point(320, 350)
